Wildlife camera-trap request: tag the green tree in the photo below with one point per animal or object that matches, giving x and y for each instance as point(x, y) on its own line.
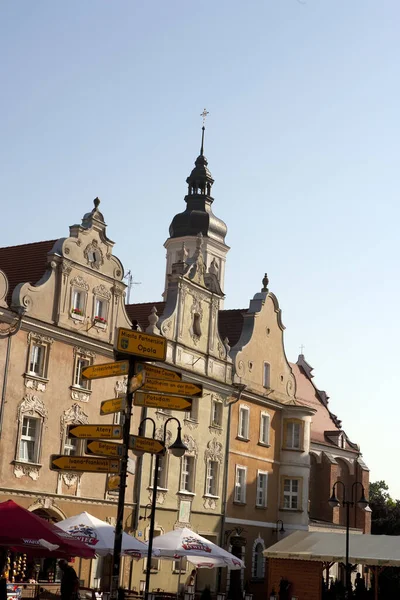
point(385, 510)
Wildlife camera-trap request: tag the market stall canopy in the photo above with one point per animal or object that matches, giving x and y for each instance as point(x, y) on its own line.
point(99, 535)
point(23, 531)
point(379, 550)
point(198, 550)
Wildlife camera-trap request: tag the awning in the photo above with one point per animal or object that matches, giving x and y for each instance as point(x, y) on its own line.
point(380, 550)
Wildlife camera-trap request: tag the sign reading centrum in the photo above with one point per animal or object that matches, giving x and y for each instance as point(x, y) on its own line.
point(146, 345)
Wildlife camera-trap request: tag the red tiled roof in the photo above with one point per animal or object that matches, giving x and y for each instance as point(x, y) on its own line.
point(24, 263)
point(230, 324)
point(141, 312)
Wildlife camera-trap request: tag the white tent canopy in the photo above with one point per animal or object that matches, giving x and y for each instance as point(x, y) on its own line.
point(99, 535)
point(199, 551)
point(379, 550)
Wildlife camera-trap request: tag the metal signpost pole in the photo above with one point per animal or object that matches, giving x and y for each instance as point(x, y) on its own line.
point(152, 523)
point(122, 486)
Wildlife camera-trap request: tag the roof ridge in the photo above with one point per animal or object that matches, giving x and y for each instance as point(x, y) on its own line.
point(29, 244)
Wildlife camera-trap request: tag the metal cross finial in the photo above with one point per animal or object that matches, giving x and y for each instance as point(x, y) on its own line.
point(302, 349)
point(204, 114)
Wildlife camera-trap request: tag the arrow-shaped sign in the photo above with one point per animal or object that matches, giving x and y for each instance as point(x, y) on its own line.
point(59, 462)
point(104, 448)
point(137, 381)
point(108, 407)
point(179, 388)
point(161, 401)
point(95, 432)
point(144, 444)
point(106, 370)
point(158, 372)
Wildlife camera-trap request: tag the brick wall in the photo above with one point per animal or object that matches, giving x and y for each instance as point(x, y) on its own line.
point(305, 577)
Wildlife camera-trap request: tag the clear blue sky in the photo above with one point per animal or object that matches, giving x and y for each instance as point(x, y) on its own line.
point(103, 98)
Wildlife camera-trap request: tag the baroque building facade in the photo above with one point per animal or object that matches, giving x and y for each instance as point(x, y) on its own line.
point(263, 447)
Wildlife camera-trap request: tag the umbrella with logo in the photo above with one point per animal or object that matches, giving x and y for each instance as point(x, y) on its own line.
point(99, 535)
point(23, 531)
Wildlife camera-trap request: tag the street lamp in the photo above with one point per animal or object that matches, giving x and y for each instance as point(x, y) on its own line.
point(281, 530)
point(178, 449)
point(334, 503)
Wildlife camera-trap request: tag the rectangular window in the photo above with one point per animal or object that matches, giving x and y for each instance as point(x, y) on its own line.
point(262, 483)
point(187, 473)
point(155, 563)
point(193, 413)
point(72, 447)
point(29, 442)
point(216, 414)
point(240, 484)
point(180, 565)
point(37, 360)
point(244, 422)
point(80, 365)
point(291, 490)
point(212, 478)
point(162, 472)
point(266, 375)
point(293, 435)
point(77, 302)
point(100, 309)
point(264, 428)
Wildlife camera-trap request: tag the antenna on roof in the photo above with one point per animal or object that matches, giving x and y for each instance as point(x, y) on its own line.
point(131, 283)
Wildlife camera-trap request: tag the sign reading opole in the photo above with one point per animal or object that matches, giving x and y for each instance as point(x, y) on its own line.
point(59, 462)
point(161, 401)
point(146, 345)
point(95, 432)
point(106, 370)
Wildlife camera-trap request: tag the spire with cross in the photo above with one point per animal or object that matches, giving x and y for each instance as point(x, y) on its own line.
point(302, 350)
point(204, 114)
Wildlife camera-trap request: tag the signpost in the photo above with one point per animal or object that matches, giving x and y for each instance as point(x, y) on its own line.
point(113, 369)
point(95, 432)
point(138, 343)
point(59, 462)
point(143, 444)
point(108, 407)
point(104, 448)
point(180, 388)
point(161, 401)
point(158, 372)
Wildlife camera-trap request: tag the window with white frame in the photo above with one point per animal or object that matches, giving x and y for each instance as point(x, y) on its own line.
point(264, 428)
point(291, 493)
point(81, 362)
point(258, 561)
point(78, 302)
point(244, 421)
point(240, 484)
point(73, 446)
point(266, 375)
point(216, 413)
point(187, 473)
point(262, 489)
point(193, 413)
point(100, 310)
point(162, 475)
point(293, 434)
point(180, 565)
point(212, 478)
point(30, 439)
point(37, 359)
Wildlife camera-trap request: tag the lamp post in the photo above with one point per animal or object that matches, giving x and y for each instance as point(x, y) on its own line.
point(178, 449)
point(334, 503)
point(281, 530)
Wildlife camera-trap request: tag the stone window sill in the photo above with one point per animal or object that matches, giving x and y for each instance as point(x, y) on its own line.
point(242, 439)
point(194, 421)
point(77, 317)
point(293, 510)
point(264, 445)
point(78, 388)
point(216, 426)
point(259, 507)
point(238, 503)
point(211, 496)
point(293, 449)
point(18, 461)
point(186, 493)
point(36, 377)
point(100, 325)
point(159, 489)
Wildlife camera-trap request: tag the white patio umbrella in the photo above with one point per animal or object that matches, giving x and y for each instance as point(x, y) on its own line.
point(99, 535)
point(185, 543)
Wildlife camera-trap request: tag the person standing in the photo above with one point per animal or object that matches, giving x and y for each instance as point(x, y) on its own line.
point(69, 581)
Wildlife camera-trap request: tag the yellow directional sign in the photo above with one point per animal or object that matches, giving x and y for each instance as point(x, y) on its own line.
point(113, 483)
point(106, 370)
point(95, 432)
point(160, 401)
point(146, 345)
point(59, 462)
point(104, 448)
point(108, 407)
point(144, 444)
point(180, 388)
point(137, 381)
point(158, 372)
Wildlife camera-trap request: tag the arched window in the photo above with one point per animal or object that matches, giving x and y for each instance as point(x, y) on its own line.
point(258, 560)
